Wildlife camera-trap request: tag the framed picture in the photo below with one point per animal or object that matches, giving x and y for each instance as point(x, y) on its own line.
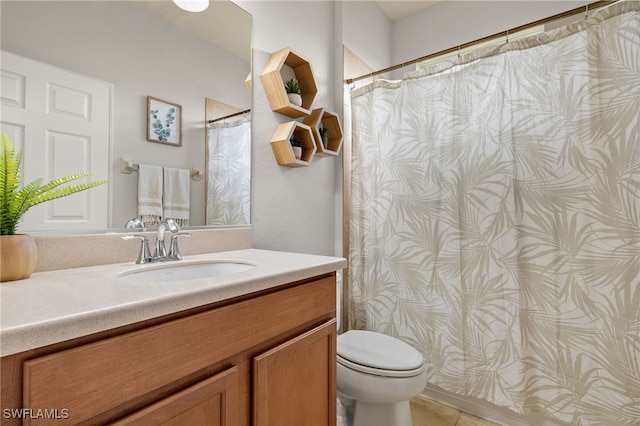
point(164, 122)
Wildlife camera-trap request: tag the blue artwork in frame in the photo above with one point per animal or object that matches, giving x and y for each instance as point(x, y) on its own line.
point(164, 122)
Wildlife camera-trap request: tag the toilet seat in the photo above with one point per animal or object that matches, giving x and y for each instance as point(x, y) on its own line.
point(379, 371)
point(378, 354)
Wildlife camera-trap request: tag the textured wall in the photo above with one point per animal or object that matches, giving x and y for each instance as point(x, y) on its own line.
point(292, 209)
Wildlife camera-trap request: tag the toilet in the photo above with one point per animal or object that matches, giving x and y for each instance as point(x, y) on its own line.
point(380, 374)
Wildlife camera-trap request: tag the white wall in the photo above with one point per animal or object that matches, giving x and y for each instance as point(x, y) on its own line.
point(141, 56)
point(292, 208)
point(451, 23)
point(367, 32)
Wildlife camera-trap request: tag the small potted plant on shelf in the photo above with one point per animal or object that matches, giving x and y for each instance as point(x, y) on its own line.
point(323, 135)
point(297, 147)
point(293, 91)
point(18, 254)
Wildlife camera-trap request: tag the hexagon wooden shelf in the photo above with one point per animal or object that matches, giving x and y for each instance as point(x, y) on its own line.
point(330, 120)
point(273, 81)
point(282, 147)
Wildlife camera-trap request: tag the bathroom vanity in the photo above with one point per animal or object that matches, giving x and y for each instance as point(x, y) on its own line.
point(252, 347)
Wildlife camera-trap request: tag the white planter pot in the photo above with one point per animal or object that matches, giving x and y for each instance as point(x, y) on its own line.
point(297, 152)
point(295, 99)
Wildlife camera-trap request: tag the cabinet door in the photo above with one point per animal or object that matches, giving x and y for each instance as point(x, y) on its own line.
point(210, 402)
point(295, 383)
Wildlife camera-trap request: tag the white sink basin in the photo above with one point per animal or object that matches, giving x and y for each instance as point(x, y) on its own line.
point(186, 271)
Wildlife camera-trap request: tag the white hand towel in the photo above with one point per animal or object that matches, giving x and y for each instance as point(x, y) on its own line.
point(175, 203)
point(150, 194)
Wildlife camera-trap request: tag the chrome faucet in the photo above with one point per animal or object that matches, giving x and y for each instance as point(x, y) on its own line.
point(174, 252)
point(161, 251)
point(160, 254)
point(144, 256)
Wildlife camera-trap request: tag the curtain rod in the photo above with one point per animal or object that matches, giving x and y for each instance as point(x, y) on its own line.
point(577, 10)
point(229, 116)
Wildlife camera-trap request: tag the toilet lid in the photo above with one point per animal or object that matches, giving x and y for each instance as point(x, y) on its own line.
point(378, 350)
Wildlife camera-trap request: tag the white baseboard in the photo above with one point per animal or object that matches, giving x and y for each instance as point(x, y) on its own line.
point(488, 411)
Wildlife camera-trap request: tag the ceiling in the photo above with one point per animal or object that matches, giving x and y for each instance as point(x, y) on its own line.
point(223, 18)
point(399, 9)
point(214, 25)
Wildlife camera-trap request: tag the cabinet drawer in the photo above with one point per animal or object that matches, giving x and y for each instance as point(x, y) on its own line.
point(92, 379)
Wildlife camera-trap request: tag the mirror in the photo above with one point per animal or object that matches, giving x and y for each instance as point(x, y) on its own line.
point(138, 49)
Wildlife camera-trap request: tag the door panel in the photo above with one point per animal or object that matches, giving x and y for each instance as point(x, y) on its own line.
point(64, 119)
point(211, 402)
point(295, 382)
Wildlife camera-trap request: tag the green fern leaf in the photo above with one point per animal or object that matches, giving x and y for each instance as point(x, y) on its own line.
point(52, 194)
point(20, 202)
point(9, 172)
point(61, 181)
point(15, 201)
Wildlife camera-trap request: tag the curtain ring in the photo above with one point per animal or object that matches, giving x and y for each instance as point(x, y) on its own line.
point(507, 40)
point(586, 11)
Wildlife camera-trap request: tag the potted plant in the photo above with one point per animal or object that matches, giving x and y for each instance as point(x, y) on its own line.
point(18, 254)
point(323, 135)
point(297, 147)
point(293, 92)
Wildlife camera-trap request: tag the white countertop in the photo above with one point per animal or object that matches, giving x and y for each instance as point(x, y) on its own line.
point(51, 307)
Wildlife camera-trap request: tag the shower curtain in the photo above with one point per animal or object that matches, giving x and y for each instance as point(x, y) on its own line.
point(229, 172)
point(495, 219)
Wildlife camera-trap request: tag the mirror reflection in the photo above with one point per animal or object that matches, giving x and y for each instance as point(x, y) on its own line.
point(108, 58)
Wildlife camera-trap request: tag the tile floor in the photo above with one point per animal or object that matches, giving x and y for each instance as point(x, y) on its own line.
point(430, 413)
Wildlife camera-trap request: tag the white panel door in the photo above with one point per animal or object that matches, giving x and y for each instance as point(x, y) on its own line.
point(62, 122)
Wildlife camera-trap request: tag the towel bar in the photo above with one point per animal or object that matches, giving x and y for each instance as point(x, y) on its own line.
point(127, 167)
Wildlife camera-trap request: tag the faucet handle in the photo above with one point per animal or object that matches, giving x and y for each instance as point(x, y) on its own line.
point(144, 256)
point(174, 252)
point(134, 223)
point(171, 225)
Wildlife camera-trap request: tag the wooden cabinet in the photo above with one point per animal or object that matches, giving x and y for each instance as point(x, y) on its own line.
point(256, 360)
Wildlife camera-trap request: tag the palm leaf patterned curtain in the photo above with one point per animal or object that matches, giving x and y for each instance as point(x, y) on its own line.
point(229, 172)
point(495, 219)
